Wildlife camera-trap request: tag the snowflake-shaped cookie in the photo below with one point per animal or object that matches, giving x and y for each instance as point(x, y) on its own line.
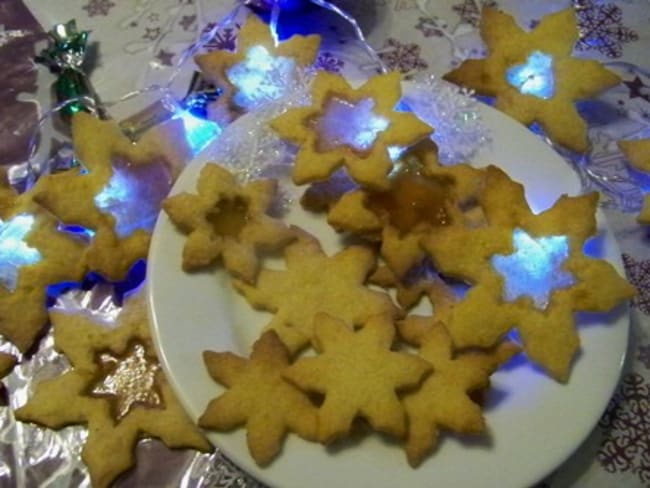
point(528, 271)
point(33, 255)
point(227, 220)
point(421, 198)
point(259, 398)
point(349, 127)
point(115, 386)
point(533, 75)
point(314, 282)
point(115, 193)
point(358, 374)
point(259, 70)
point(443, 401)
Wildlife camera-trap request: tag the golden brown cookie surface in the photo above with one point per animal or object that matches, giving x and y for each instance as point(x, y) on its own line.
point(116, 387)
point(227, 220)
point(359, 375)
point(259, 398)
point(533, 74)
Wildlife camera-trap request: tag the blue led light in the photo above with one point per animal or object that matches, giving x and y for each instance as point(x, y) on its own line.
point(260, 77)
point(535, 268)
point(14, 252)
point(133, 195)
point(535, 77)
point(198, 132)
point(351, 124)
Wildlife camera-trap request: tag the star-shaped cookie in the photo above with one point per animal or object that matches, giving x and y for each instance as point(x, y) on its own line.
point(227, 220)
point(528, 271)
point(443, 401)
point(258, 397)
point(115, 193)
point(259, 70)
point(637, 153)
point(115, 386)
point(349, 127)
point(33, 255)
point(358, 374)
point(533, 74)
point(314, 282)
point(7, 363)
point(417, 202)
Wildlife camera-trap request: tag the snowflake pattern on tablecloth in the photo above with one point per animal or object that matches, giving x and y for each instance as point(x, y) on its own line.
point(98, 7)
point(428, 27)
point(644, 355)
point(638, 272)
point(470, 10)
point(224, 39)
point(601, 28)
point(151, 33)
point(403, 57)
point(187, 21)
point(638, 89)
point(326, 61)
point(626, 426)
point(165, 57)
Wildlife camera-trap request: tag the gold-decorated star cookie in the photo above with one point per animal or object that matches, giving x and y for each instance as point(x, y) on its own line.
point(533, 74)
point(259, 398)
point(443, 401)
point(314, 282)
point(528, 271)
point(637, 153)
point(115, 386)
point(349, 127)
point(227, 220)
point(358, 374)
point(34, 254)
point(258, 70)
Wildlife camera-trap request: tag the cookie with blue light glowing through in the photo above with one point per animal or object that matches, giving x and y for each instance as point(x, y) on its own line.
point(526, 271)
point(315, 282)
point(115, 386)
point(228, 221)
point(533, 75)
point(443, 401)
point(359, 375)
point(258, 397)
point(349, 127)
point(637, 153)
point(114, 194)
point(34, 254)
point(422, 196)
point(259, 71)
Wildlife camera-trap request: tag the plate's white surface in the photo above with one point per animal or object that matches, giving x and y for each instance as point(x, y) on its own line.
point(535, 423)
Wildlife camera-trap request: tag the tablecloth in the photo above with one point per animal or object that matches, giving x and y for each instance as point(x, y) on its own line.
point(411, 36)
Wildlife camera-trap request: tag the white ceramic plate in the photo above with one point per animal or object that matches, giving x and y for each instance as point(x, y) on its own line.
point(535, 423)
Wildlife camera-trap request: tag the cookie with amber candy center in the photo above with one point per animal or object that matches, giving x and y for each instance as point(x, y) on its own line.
point(115, 386)
point(533, 74)
point(227, 220)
